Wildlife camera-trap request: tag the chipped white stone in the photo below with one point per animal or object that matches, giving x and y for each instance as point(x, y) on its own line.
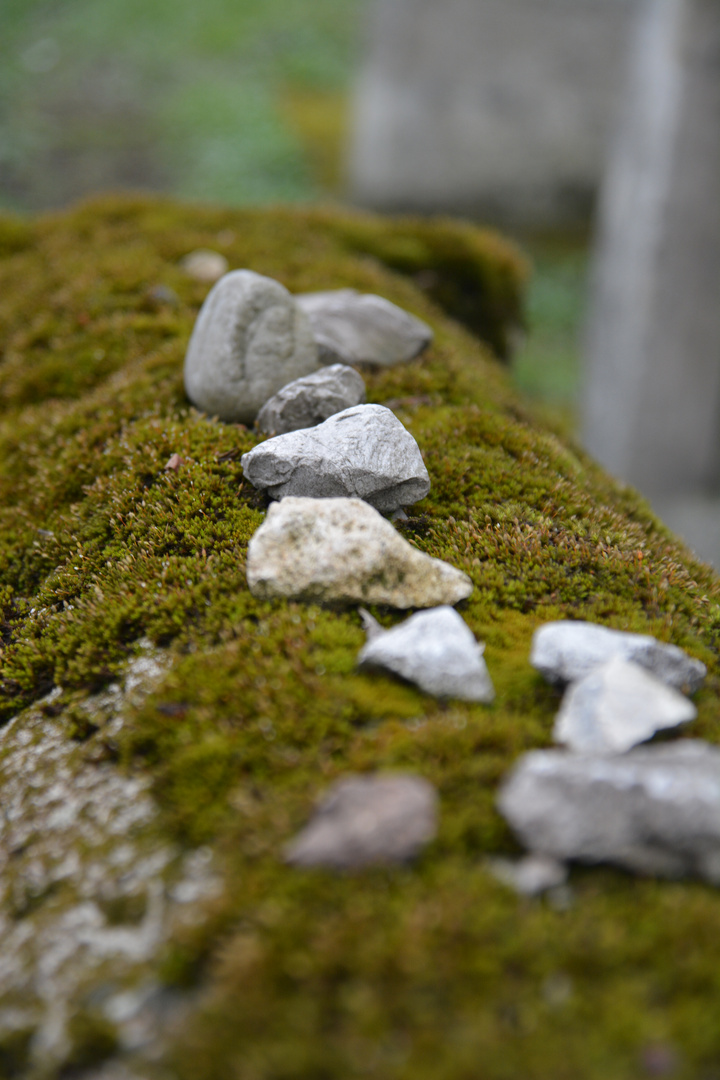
point(361, 328)
point(306, 402)
point(531, 875)
point(344, 551)
point(363, 820)
point(363, 452)
point(617, 706)
point(654, 810)
point(566, 651)
point(250, 339)
point(435, 650)
point(205, 265)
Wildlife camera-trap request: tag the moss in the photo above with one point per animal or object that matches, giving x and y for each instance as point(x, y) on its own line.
point(430, 971)
point(93, 1040)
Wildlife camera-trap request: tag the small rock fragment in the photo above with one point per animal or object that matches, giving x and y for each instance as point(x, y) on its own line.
point(617, 706)
point(566, 651)
point(306, 402)
point(173, 463)
point(205, 265)
point(362, 452)
point(361, 328)
point(530, 876)
point(654, 810)
point(250, 339)
point(435, 650)
point(342, 551)
point(364, 820)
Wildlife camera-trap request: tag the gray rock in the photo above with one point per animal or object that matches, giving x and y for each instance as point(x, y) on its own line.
point(531, 876)
point(250, 339)
point(306, 402)
point(360, 328)
point(342, 551)
point(435, 650)
point(368, 819)
point(655, 810)
point(566, 651)
point(205, 265)
point(617, 706)
point(364, 451)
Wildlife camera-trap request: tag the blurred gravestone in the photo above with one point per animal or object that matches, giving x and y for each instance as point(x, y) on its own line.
point(496, 108)
point(652, 409)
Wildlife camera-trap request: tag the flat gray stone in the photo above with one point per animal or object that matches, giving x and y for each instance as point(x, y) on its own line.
point(306, 402)
point(655, 810)
point(364, 820)
point(361, 328)
point(566, 651)
point(364, 451)
point(342, 551)
point(435, 650)
point(617, 706)
point(250, 339)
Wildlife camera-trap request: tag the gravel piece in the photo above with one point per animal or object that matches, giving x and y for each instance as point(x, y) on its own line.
point(306, 402)
point(361, 328)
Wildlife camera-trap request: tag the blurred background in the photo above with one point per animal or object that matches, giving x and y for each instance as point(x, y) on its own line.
point(557, 121)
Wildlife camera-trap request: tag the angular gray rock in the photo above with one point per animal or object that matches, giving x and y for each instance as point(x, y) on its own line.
point(306, 402)
point(365, 820)
point(361, 328)
point(342, 551)
point(566, 651)
point(617, 706)
point(250, 339)
point(655, 810)
point(364, 451)
point(435, 650)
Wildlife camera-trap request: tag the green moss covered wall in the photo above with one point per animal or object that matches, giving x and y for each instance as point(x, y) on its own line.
point(436, 971)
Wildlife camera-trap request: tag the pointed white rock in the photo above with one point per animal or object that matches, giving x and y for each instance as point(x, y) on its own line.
point(617, 706)
point(435, 650)
point(361, 328)
point(342, 551)
point(566, 651)
point(249, 340)
point(362, 452)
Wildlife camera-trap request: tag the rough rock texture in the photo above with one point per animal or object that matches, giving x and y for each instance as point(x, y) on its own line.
point(433, 649)
point(306, 402)
point(566, 651)
point(617, 706)
point(365, 820)
point(363, 452)
point(655, 810)
point(343, 551)
point(351, 328)
point(249, 340)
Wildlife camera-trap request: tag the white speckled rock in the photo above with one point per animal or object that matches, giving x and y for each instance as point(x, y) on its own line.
point(250, 339)
point(655, 810)
point(361, 328)
point(342, 551)
point(617, 706)
point(306, 402)
point(365, 820)
point(566, 651)
point(435, 650)
point(363, 452)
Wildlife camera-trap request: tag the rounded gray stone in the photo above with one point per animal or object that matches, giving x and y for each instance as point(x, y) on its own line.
point(308, 401)
point(250, 339)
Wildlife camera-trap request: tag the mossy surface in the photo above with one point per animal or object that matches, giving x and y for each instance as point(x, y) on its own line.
point(436, 971)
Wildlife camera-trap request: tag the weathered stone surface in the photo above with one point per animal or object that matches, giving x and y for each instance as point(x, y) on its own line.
point(655, 810)
point(306, 402)
point(617, 706)
point(530, 876)
point(205, 265)
point(364, 451)
point(368, 819)
point(343, 551)
point(360, 328)
point(250, 339)
point(566, 651)
point(435, 650)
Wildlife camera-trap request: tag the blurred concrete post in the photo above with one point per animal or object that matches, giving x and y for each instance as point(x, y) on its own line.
point(493, 108)
point(652, 402)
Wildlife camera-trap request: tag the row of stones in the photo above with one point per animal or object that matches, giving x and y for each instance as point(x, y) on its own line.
point(333, 464)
